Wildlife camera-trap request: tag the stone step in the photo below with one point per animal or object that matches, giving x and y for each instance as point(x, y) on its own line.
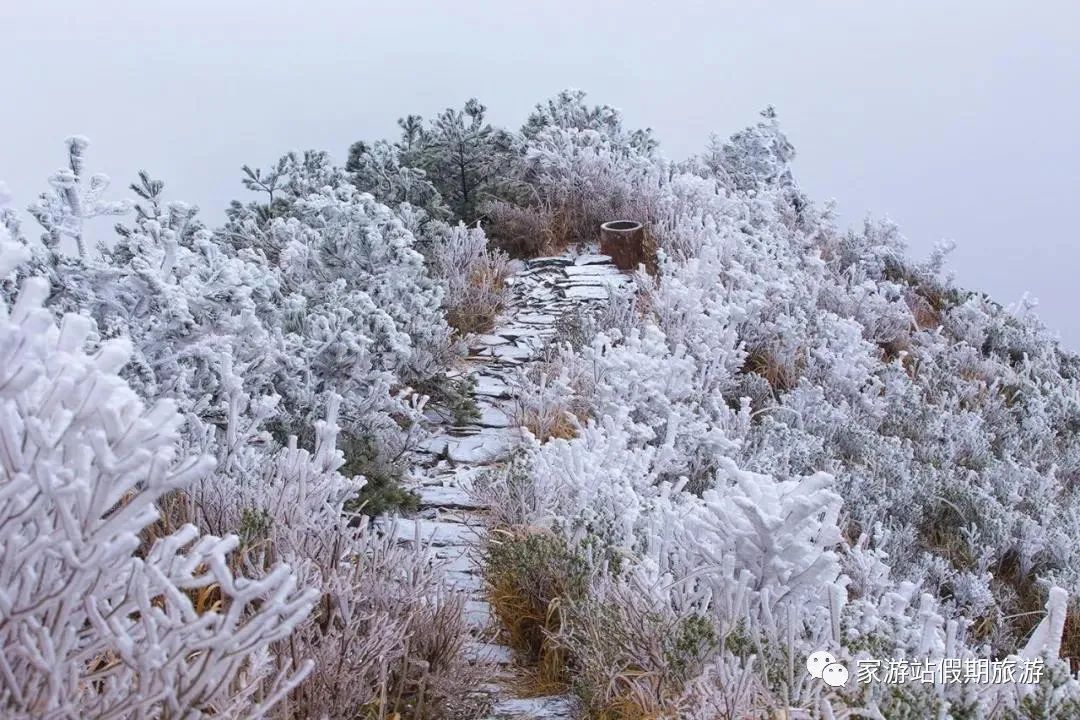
point(478, 614)
point(587, 292)
point(533, 318)
point(482, 447)
point(491, 387)
point(487, 340)
point(552, 707)
point(443, 496)
point(484, 653)
point(467, 580)
point(594, 271)
point(435, 533)
point(592, 260)
point(552, 261)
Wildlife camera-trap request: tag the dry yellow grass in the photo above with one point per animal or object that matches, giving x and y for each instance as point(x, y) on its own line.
point(924, 315)
point(544, 429)
point(779, 376)
point(529, 572)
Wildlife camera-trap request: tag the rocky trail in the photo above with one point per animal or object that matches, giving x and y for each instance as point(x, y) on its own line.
point(452, 520)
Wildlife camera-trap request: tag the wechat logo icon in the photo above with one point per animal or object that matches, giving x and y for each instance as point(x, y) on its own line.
point(822, 665)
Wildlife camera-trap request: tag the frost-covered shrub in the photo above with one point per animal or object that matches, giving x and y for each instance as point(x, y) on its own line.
point(550, 395)
point(91, 623)
point(530, 575)
point(378, 168)
point(472, 275)
point(214, 331)
point(631, 656)
point(928, 434)
point(576, 168)
point(357, 311)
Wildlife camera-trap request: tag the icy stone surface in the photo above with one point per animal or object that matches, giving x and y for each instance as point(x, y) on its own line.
point(485, 445)
point(489, 653)
point(592, 260)
point(489, 340)
point(594, 292)
point(491, 386)
point(443, 496)
point(437, 533)
point(605, 271)
point(493, 417)
point(536, 318)
point(537, 708)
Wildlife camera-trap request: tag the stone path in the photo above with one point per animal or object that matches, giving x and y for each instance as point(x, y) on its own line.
point(451, 520)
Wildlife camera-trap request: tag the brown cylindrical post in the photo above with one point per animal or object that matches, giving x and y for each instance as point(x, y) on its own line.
point(623, 240)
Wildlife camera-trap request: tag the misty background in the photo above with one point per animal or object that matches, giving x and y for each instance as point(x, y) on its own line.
point(955, 119)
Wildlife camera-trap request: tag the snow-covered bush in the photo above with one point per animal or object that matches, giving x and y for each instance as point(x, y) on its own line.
point(385, 634)
point(808, 441)
point(574, 168)
point(472, 275)
point(357, 312)
point(378, 168)
point(93, 620)
point(221, 328)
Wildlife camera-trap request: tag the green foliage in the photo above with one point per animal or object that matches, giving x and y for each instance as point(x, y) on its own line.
point(460, 400)
point(530, 576)
point(693, 641)
point(459, 151)
point(454, 396)
point(1049, 701)
point(255, 524)
point(453, 159)
point(383, 495)
point(383, 492)
point(738, 641)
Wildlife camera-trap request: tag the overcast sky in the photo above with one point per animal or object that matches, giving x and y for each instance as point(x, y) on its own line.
point(955, 119)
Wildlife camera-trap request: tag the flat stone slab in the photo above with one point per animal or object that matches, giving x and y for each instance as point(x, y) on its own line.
point(491, 387)
point(592, 260)
point(527, 335)
point(482, 447)
point(467, 580)
point(492, 416)
point(442, 473)
point(487, 340)
point(478, 613)
point(444, 496)
point(513, 352)
point(488, 653)
point(593, 271)
point(458, 561)
point(587, 292)
point(535, 318)
point(552, 260)
point(552, 707)
point(436, 533)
